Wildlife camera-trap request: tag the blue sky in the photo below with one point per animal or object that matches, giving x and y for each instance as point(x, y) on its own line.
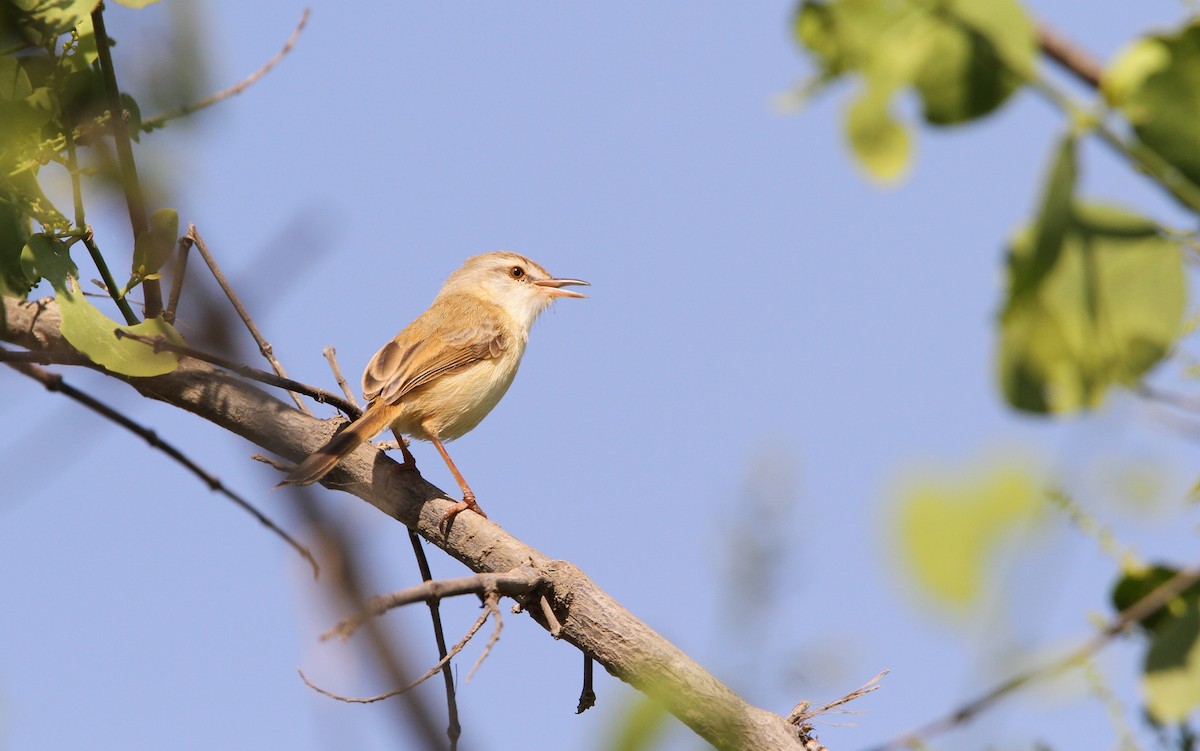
point(758, 310)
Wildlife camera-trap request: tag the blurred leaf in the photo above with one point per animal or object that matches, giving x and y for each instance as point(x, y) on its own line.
point(1136, 585)
point(14, 234)
point(949, 528)
point(881, 144)
point(1155, 82)
point(1053, 220)
point(1172, 678)
point(136, 3)
point(1108, 310)
point(153, 246)
point(54, 17)
point(639, 726)
point(963, 57)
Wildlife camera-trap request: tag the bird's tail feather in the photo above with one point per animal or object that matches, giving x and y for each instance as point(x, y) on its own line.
point(318, 463)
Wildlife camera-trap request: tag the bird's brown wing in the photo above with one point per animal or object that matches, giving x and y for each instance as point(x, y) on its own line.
point(410, 361)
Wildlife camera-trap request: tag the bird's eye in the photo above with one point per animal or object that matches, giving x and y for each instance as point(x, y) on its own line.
point(516, 272)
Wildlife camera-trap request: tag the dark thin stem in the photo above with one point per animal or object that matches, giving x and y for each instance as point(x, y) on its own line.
point(320, 395)
point(106, 276)
point(43, 357)
point(264, 346)
point(587, 697)
point(181, 258)
point(124, 146)
point(54, 382)
point(453, 728)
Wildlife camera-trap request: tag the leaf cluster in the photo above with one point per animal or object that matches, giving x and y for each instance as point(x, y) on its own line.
point(54, 109)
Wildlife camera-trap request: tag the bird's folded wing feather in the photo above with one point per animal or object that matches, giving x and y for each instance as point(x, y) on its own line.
point(409, 362)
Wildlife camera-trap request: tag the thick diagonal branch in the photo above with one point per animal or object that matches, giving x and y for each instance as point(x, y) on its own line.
point(590, 619)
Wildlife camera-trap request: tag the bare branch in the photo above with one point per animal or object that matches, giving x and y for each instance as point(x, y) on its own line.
point(331, 355)
point(589, 617)
point(157, 120)
point(404, 689)
point(519, 581)
point(264, 346)
point(492, 604)
point(1070, 56)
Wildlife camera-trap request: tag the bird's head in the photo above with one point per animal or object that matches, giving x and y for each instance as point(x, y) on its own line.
point(510, 280)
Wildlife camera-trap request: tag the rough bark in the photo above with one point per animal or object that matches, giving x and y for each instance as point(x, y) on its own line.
point(590, 619)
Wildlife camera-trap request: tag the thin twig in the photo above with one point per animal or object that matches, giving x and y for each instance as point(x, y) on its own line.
point(263, 345)
point(54, 382)
point(178, 273)
point(1154, 601)
point(1070, 56)
point(492, 604)
point(150, 123)
point(519, 581)
point(160, 343)
point(331, 356)
point(129, 176)
point(404, 689)
point(453, 727)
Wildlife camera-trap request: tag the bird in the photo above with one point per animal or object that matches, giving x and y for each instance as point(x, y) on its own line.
point(444, 372)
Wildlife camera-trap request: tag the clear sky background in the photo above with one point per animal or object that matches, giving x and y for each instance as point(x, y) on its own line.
point(771, 343)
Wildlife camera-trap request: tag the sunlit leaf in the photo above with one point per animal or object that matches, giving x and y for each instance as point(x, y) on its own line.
point(1054, 217)
point(92, 333)
point(55, 17)
point(881, 144)
point(1107, 311)
point(136, 3)
point(950, 527)
point(1155, 82)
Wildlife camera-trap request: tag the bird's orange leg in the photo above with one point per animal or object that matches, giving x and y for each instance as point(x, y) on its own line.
point(468, 501)
point(410, 461)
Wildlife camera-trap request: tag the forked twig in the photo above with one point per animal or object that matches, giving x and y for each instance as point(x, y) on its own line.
point(55, 382)
point(404, 689)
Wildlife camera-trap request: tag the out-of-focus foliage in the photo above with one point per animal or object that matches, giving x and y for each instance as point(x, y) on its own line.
point(52, 112)
point(1095, 295)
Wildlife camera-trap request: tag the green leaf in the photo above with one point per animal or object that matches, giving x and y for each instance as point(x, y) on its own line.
point(963, 57)
point(881, 144)
point(153, 246)
point(949, 527)
point(92, 333)
point(1137, 584)
point(1172, 678)
point(1107, 310)
point(136, 3)
point(1155, 82)
point(1054, 217)
point(46, 257)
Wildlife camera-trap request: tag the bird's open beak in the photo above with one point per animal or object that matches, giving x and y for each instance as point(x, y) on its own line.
point(555, 287)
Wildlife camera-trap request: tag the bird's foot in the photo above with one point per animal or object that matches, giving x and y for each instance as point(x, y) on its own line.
point(466, 504)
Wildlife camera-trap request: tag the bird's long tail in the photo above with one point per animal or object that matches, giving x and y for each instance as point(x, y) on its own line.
point(317, 465)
